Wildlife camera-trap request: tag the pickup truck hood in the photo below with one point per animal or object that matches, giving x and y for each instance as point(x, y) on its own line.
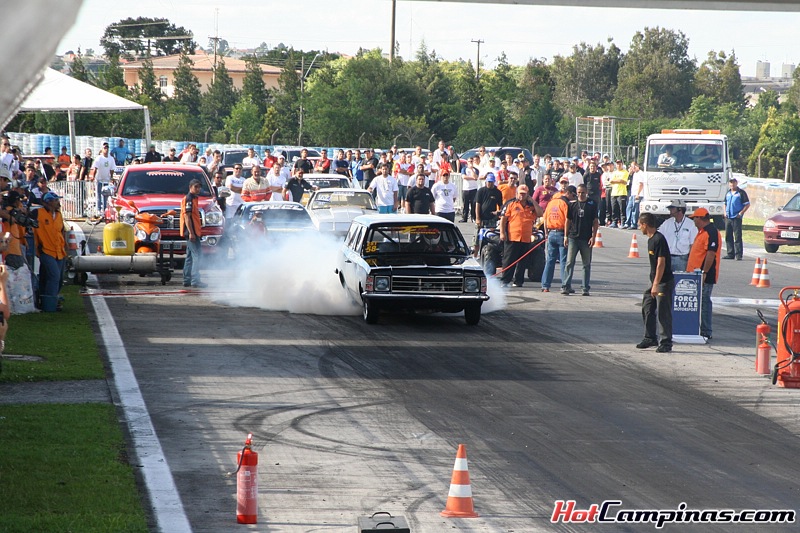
point(148, 201)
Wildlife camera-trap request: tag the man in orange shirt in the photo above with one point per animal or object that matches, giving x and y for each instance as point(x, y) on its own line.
point(555, 221)
point(516, 228)
point(50, 246)
point(190, 225)
point(508, 188)
point(705, 254)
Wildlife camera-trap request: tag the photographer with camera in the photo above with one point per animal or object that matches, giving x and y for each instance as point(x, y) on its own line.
point(51, 248)
point(15, 224)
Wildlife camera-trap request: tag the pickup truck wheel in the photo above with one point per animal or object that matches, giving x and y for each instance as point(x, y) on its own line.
point(472, 314)
point(371, 312)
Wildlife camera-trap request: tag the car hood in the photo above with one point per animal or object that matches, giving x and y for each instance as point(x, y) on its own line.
point(144, 201)
point(787, 218)
point(337, 218)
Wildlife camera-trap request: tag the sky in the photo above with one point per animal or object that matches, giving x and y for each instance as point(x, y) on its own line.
point(521, 31)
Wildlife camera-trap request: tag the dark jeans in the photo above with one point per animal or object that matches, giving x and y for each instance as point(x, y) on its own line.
point(468, 199)
point(659, 307)
point(449, 216)
point(511, 252)
point(51, 274)
point(733, 237)
point(705, 310)
point(582, 246)
point(619, 203)
point(609, 208)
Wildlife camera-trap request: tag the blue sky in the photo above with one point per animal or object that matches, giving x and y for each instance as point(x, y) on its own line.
point(521, 32)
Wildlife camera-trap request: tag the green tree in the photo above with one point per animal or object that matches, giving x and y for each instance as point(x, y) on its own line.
point(719, 79)
point(217, 103)
point(246, 117)
point(441, 108)
point(287, 101)
point(779, 133)
point(133, 38)
point(656, 76)
point(533, 114)
point(78, 69)
point(587, 78)
point(148, 84)
point(793, 94)
point(187, 88)
point(253, 86)
point(111, 75)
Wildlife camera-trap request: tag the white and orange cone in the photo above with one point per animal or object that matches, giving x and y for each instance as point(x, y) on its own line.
point(634, 251)
point(598, 242)
point(756, 273)
point(763, 280)
point(459, 499)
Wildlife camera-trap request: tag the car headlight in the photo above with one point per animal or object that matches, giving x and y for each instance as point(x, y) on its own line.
point(471, 284)
point(214, 218)
point(141, 235)
point(382, 283)
point(155, 235)
point(770, 224)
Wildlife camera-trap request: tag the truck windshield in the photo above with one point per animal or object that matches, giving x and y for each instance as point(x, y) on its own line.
point(140, 182)
point(684, 156)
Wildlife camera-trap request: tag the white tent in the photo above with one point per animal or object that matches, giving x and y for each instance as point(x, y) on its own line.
point(59, 92)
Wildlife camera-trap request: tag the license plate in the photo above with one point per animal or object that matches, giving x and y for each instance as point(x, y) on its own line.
point(790, 235)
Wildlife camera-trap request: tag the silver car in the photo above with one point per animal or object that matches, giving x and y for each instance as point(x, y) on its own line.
point(332, 210)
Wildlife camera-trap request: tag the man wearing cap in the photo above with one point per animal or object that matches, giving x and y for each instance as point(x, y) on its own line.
point(488, 204)
point(152, 156)
point(50, 245)
point(736, 205)
point(171, 157)
point(679, 233)
point(555, 223)
point(516, 228)
point(705, 255)
point(657, 298)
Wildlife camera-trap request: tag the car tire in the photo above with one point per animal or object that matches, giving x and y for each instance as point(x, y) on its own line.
point(771, 248)
point(370, 311)
point(472, 314)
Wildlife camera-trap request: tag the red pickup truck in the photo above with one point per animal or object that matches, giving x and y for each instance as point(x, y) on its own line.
point(159, 187)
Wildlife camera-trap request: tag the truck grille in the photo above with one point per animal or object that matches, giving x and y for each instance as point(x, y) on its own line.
point(175, 224)
point(678, 191)
point(427, 284)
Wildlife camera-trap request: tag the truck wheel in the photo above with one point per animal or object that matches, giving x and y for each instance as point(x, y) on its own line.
point(771, 248)
point(472, 314)
point(371, 312)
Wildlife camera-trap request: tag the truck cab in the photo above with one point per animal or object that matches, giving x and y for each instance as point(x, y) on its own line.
point(689, 165)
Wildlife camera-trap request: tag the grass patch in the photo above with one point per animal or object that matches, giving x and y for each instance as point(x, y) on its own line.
point(63, 468)
point(64, 339)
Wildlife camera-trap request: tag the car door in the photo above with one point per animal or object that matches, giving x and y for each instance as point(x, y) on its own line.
point(353, 262)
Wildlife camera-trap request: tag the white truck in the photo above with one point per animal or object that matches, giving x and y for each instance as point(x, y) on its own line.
point(689, 165)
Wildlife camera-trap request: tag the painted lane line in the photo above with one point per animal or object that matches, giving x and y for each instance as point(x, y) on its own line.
point(164, 498)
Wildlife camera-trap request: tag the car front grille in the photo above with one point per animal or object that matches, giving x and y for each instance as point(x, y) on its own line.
point(427, 284)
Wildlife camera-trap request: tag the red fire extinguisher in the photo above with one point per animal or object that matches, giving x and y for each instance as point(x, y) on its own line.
point(787, 367)
point(763, 346)
point(247, 484)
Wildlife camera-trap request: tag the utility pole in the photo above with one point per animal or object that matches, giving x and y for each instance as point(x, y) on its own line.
point(215, 38)
point(391, 48)
point(478, 59)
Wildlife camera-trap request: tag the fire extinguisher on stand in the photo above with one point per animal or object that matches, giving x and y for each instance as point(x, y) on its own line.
point(787, 368)
point(247, 483)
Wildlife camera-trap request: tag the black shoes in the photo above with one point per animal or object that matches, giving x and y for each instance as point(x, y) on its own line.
point(664, 348)
point(646, 343)
point(728, 257)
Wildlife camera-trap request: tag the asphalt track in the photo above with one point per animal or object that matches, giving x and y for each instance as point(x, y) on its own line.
point(549, 396)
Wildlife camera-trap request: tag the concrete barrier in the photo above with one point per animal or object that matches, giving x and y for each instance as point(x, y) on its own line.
point(766, 195)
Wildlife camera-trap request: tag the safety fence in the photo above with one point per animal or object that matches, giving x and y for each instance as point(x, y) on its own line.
point(78, 198)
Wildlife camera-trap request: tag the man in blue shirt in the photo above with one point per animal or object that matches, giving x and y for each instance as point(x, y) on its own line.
point(120, 153)
point(736, 205)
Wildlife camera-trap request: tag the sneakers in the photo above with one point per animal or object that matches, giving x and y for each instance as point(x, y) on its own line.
point(646, 343)
point(187, 284)
point(545, 290)
point(516, 285)
point(663, 348)
point(728, 257)
point(585, 292)
point(565, 291)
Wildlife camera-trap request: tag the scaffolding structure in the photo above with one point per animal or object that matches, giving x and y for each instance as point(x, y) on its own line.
point(597, 134)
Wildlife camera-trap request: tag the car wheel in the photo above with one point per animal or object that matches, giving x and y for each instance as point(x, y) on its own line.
point(371, 312)
point(472, 314)
point(771, 248)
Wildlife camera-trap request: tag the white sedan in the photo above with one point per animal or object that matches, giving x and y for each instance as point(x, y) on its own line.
point(332, 210)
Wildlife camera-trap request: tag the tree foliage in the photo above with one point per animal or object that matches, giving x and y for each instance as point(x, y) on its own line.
point(217, 103)
point(587, 78)
point(78, 69)
point(253, 86)
point(718, 78)
point(148, 84)
point(111, 75)
point(129, 38)
point(287, 102)
point(186, 86)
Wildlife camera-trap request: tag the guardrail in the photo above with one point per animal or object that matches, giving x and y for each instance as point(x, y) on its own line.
point(78, 198)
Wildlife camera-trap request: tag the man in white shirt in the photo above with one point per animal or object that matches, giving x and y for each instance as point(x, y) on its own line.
point(469, 188)
point(234, 182)
point(575, 178)
point(680, 233)
point(385, 188)
point(9, 166)
point(277, 178)
point(444, 194)
point(439, 155)
point(102, 172)
point(252, 159)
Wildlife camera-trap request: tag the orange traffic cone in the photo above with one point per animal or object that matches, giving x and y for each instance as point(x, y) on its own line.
point(634, 251)
point(763, 280)
point(598, 242)
point(459, 500)
point(756, 273)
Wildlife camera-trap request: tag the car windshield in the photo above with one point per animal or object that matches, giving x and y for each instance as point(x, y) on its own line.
point(277, 215)
point(167, 181)
point(414, 243)
point(231, 158)
point(328, 200)
point(794, 204)
point(685, 156)
point(328, 183)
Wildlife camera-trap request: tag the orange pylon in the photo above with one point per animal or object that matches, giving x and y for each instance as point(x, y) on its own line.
point(459, 499)
point(756, 273)
point(763, 280)
point(634, 251)
point(598, 242)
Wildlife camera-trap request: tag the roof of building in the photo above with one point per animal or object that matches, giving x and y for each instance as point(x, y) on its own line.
point(202, 61)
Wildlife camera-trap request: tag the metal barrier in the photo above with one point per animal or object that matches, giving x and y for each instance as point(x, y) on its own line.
point(78, 198)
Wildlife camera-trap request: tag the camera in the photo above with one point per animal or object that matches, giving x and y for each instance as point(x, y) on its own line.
point(23, 219)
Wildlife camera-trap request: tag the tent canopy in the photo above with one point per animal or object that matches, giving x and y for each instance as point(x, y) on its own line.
point(59, 92)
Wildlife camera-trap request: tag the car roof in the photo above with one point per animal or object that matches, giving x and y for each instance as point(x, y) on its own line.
point(164, 166)
point(369, 220)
